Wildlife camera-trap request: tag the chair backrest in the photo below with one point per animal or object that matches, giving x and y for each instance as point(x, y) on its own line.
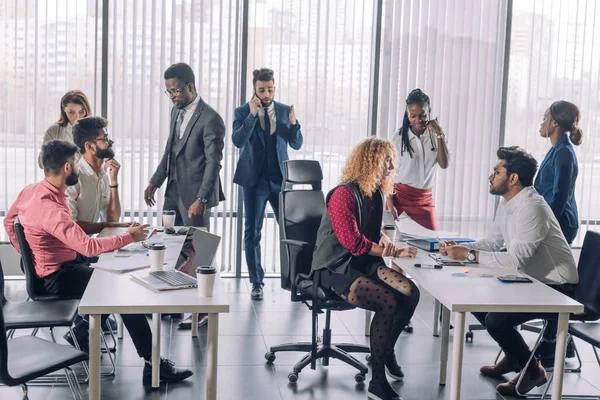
point(301, 205)
point(588, 289)
point(2, 295)
point(4, 376)
point(35, 288)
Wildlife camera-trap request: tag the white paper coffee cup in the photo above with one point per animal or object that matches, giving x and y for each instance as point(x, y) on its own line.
point(157, 256)
point(205, 275)
point(168, 218)
point(391, 233)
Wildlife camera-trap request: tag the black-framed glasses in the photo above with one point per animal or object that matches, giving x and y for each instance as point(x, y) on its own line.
point(104, 139)
point(175, 92)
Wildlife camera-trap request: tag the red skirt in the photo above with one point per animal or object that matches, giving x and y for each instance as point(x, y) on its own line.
point(417, 204)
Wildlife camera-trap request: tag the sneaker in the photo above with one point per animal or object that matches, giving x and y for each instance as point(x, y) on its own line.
point(168, 372)
point(257, 291)
point(392, 369)
point(408, 328)
point(382, 391)
point(82, 341)
point(187, 323)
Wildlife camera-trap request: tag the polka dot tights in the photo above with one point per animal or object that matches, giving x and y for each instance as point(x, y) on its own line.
point(393, 297)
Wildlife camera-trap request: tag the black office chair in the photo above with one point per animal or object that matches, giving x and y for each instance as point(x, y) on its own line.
point(300, 212)
point(36, 291)
point(25, 358)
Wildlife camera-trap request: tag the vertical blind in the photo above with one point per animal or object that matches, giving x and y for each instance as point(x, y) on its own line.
point(554, 55)
point(47, 48)
point(454, 52)
point(321, 54)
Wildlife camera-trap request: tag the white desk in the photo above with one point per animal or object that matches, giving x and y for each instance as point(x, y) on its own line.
point(109, 293)
point(478, 294)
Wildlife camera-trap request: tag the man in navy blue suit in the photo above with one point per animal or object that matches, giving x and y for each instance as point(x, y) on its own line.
point(262, 129)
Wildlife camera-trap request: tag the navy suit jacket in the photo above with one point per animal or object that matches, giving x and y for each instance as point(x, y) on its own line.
point(248, 136)
point(555, 181)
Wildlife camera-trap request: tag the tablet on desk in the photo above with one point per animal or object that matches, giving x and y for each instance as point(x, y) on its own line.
point(514, 279)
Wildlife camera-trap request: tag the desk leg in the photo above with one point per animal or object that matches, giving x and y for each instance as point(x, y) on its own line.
point(457, 355)
point(444, 344)
point(213, 344)
point(194, 324)
point(119, 326)
point(367, 323)
point(94, 357)
point(155, 350)
point(436, 317)
point(559, 355)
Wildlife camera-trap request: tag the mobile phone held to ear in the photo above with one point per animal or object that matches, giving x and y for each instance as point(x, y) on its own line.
point(429, 266)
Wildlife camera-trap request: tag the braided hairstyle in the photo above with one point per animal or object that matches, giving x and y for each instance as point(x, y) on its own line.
point(415, 97)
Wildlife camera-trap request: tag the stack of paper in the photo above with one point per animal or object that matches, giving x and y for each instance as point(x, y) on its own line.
point(411, 229)
point(123, 264)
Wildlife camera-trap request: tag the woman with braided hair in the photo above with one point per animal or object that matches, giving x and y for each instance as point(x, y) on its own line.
point(555, 181)
point(348, 256)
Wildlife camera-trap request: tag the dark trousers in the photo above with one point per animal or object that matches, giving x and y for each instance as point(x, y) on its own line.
point(255, 202)
point(71, 280)
point(173, 202)
point(502, 327)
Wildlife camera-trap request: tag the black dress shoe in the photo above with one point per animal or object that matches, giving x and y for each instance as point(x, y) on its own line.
point(392, 368)
point(408, 328)
point(168, 372)
point(187, 323)
point(382, 391)
point(82, 341)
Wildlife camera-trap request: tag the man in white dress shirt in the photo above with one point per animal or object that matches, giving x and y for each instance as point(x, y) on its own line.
point(526, 226)
point(94, 200)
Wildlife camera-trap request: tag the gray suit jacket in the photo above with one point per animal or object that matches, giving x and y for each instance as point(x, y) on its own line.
point(198, 160)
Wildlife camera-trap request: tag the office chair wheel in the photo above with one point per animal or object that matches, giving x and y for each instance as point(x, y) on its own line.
point(469, 337)
point(270, 356)
point(359, 378)
point(293, 377)
point(368, 358)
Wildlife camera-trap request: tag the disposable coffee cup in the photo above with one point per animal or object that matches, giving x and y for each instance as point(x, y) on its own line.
point(168, 217)
point(205, 275)
point(390, 231)
point(157, 256)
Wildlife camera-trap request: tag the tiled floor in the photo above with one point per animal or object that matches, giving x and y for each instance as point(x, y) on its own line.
point(251, 327)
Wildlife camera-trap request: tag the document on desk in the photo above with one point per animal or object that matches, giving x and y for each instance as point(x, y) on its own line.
point(123, 264)
point(412, 229)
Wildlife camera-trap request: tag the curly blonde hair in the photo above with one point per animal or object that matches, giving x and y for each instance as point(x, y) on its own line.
point(366, 163)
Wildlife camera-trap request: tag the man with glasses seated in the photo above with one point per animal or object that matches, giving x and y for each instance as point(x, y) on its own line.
point(61, 249)
point(192, 159)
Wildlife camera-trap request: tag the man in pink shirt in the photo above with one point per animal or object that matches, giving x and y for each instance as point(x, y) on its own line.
point(61, 249)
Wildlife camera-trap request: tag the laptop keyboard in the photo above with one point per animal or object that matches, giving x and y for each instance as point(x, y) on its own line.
point(174, 278)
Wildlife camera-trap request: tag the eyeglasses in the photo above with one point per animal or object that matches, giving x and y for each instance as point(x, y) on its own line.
point(104, 139)
point(175, 92)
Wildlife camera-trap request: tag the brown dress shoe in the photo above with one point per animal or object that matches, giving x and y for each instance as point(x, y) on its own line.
point(533, 377)
point(504, 366)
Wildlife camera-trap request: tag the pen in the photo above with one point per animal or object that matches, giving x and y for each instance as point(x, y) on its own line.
point(441, 241)
point(152, 233)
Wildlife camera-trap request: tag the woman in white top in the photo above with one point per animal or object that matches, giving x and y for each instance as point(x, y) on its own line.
point(74, 105)
point(421, 147)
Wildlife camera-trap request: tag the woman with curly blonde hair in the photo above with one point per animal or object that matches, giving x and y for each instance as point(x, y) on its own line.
point(348, 256)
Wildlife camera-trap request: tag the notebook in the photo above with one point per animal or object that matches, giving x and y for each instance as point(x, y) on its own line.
point(199, 248)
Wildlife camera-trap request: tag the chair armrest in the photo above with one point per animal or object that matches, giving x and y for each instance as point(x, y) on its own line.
point(296, 243)
point(288, 275)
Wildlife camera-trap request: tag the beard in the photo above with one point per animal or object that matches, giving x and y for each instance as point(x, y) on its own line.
point(105, 153)
point(72, 179)
point(499, 191)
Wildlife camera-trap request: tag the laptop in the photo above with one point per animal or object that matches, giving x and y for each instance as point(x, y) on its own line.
point(199, 248)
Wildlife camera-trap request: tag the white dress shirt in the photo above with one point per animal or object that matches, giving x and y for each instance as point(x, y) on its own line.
point(89, 198)
point(534, 243)
point(272, 117)
point(189, 111)
point(420, 170)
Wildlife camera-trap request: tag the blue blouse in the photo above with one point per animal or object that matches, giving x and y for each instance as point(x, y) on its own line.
point(555, 181)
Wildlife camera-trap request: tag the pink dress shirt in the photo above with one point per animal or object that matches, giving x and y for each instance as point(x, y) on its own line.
point(50, 231)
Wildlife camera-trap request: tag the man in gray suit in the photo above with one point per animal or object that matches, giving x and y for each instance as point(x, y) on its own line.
point(192, 158)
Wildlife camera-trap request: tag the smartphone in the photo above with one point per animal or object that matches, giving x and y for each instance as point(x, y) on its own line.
point(429, 266)
point(514, 279)
point(454, 263)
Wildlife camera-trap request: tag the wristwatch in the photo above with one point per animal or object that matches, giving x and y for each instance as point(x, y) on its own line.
point(471, 256)
point(202, 200)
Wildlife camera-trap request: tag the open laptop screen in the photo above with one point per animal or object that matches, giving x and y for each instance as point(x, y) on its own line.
point(199, 248)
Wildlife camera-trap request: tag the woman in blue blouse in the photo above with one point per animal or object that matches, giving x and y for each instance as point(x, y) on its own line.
point(555, 181)
point(557, 174)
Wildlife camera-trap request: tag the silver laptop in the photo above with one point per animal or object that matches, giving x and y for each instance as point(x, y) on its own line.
point(199, 248)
